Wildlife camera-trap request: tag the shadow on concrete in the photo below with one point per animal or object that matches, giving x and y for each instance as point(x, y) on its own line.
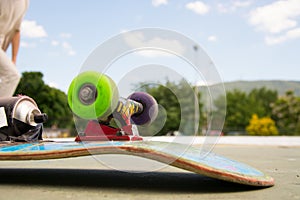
point(110, 179)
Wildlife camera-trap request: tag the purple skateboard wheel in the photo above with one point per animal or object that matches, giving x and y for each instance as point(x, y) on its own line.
point(150, 108)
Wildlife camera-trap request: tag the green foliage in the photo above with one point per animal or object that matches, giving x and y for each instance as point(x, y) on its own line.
point(286, 112)
point(241, 106)
point(237, 111)
point(179, 104)
point(167, 99)
point(50, 100)
point(261, 100)
point(261, 126)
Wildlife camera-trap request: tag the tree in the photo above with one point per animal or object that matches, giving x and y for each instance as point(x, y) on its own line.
point(241, 106)
point(179, 103)
point(49, 100)
point(286, 113)
point(261, 100)
point(261, 126)
point(238, 112)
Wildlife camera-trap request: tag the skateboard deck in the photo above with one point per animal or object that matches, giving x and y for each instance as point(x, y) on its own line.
point(174, 154)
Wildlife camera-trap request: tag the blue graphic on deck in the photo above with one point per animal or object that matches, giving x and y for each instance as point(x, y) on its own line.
point(211, 159)
point(176, 150)
point(56, 146)
point(15, 148)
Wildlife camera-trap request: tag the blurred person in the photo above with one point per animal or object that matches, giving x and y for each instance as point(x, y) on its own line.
point(11, 16)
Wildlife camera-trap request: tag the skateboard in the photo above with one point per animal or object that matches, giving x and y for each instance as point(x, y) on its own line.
point(94, 98)
point(174, 154)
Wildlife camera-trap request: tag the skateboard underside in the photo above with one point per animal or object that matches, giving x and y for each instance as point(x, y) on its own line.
point(174, 154)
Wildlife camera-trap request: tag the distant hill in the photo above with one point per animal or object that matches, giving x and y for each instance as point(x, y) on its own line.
point(280, 86)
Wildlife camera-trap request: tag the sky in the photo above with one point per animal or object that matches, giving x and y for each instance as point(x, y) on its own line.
point(246, 39)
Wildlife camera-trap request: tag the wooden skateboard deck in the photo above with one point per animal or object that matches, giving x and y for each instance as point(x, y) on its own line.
point(178, 155)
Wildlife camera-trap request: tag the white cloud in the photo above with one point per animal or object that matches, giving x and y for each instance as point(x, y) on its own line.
point(233, 6)
point(157, 3)
point(153, 53)
point(278, 20)
point(54, 43)
point(124, 30)
point(65, 35)
point(64, 45)
point(222, 8)
point(289, 35)
point(212, 38)
point(276, 17)
point(53, 85)
point(139, 41)
point(294, 33)
point(71, 52)
point(27, 45)
point(241, 4)
point(68, 48)
point(31, 29)
point(198, 7)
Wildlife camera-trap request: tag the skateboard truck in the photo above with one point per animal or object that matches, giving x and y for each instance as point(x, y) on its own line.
point(102, 131)
point(94, 96)
point(96, 131)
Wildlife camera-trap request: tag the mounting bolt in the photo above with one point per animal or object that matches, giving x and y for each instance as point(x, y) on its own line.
point(87, 94)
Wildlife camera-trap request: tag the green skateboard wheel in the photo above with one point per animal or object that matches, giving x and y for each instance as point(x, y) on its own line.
point(92, 95)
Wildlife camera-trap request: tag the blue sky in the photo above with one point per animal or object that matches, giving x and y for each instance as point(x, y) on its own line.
point(246, 39)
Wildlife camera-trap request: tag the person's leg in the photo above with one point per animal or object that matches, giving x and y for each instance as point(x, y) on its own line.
point(9, 76)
